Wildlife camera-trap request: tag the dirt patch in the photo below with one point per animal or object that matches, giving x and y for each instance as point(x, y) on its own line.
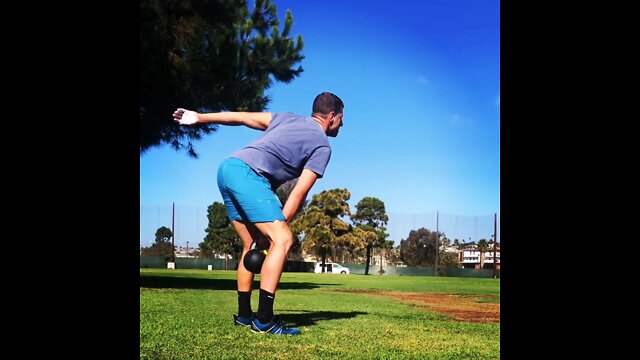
point(460, 307)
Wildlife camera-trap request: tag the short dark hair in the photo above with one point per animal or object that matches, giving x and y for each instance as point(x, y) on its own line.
point(326, 103)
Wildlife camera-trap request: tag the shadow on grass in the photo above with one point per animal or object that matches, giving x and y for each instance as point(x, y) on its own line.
point(173, 282)
point(308, 318)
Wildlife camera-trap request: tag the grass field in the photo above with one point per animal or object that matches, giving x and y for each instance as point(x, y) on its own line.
point(187, 314)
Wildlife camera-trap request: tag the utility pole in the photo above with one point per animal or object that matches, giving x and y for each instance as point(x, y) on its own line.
point(173, 222)
point(495, 241)
point(437, 243)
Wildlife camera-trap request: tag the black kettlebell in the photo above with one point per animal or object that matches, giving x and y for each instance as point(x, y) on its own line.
point(253, 260)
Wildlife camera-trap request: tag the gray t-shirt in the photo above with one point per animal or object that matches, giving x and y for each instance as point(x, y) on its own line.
point(290, 144)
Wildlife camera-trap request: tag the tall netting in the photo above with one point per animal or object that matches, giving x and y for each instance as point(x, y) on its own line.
point(461, 238)
point(189, 223)
point(465, 228)
point(399, 224)
point(466, 245)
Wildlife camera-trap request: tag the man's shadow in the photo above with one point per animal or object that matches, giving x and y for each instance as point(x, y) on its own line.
point(308, 318)
point(175, 282)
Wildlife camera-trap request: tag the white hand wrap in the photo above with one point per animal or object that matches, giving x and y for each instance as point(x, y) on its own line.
point(189, 117)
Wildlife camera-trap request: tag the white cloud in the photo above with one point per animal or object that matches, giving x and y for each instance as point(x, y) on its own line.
point(422, 80)
point(459, 120)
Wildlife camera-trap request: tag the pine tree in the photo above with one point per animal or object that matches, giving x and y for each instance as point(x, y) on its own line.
point(323, 228)
point(161, 246)
point(221, 237)
point(215, 55)
point(371, 216)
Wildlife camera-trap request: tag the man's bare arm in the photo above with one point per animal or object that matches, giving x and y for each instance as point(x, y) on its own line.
point(299, 193)
point(254, 120)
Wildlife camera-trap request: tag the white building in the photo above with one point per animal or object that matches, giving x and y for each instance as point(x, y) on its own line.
point(470, 259)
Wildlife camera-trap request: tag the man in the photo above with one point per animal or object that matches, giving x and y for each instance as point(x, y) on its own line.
point(292, 146)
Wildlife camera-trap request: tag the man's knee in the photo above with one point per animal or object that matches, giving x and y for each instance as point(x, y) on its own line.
point(278, 233)
point(284, 239)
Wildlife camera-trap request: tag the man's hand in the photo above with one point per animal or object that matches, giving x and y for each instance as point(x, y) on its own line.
point(185, 117)
point(262, 243)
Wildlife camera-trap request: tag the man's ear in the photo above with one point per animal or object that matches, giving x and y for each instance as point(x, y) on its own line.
point(332, 116)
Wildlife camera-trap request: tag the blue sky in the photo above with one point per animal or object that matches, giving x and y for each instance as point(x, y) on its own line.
point(421, 85)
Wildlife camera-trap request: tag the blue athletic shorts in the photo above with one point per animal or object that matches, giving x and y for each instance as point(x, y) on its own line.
point(247, 195)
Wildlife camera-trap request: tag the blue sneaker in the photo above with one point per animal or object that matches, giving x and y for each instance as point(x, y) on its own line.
point(275, 326)
point(239, 320)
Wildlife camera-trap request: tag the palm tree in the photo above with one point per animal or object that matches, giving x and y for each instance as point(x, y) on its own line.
point(483, 246)
point(445, 243)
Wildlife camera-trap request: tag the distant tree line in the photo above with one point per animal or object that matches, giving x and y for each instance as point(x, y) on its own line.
point(321, 227)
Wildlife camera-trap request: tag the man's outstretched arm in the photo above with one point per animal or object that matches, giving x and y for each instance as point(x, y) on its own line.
point(254, 120)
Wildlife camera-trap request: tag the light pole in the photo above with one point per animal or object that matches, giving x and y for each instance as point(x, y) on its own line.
point(173, 232)
point(495, 258)
point(437, 245)
point(495, 240)
point(187, 249)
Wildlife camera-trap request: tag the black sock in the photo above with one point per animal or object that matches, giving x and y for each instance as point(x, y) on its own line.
point(265, 306)
point(244, 304)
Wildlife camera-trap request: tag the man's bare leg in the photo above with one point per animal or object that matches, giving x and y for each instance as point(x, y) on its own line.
point(281, 240)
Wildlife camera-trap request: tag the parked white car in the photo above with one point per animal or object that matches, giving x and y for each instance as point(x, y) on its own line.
point(332, 268)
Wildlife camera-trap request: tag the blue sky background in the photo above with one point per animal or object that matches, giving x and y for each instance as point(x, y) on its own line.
point(421, 85)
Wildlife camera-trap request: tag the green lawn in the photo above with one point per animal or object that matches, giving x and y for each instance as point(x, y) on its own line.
point(187, 314)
